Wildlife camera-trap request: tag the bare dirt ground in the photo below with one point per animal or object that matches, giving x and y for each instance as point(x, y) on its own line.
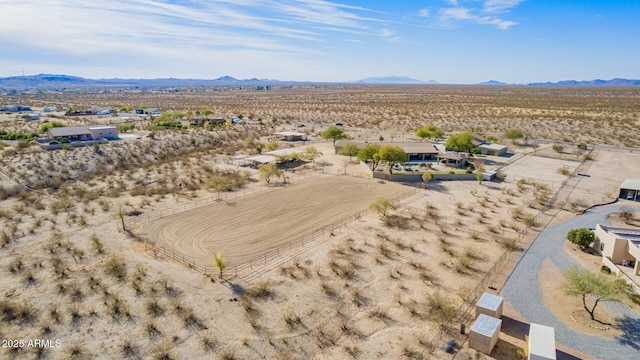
point(247, 227)
point(363, 293)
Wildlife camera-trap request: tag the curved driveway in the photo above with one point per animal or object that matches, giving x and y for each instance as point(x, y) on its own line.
point(522, 290)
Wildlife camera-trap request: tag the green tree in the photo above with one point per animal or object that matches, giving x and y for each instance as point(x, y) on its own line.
point(587, 284)
point(219, 262)
point(349, 149)
point(460, 142)
point(382, 206)
point(311, 153)
point(370, 153)
point(429, 131)
point(392, 154)
point(582, 237)
point(333, 133)
point(219, 183)
point(53, 124)
point(426, 178)
point(268, 170)
point(513, 135)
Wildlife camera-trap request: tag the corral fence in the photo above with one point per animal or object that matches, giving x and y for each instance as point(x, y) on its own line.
point(24, 186)
point(290, 175)
point(256, 266)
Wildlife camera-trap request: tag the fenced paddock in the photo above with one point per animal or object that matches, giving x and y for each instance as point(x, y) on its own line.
point(265, 222)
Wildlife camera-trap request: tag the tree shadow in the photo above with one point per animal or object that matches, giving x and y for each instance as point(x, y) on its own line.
point(630, 328)
point(436, 186)
point(236, 288)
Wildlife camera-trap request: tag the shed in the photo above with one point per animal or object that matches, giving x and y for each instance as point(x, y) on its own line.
point(490, 305)
point(484, 333)
point(262, 159)
point(493, 149)
point(283, 152)
point(630, 190)
point(542, 342)
point(290, 135)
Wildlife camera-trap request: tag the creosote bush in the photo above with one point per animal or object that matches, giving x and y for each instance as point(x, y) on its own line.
point(116, 267)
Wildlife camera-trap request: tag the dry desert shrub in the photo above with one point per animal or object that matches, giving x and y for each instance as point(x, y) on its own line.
point(260, 291)
point(209, 342)
point(292, 319)
point(116, 267)
point(130, 350)
point(78, 352)
point(228, 353)
point(163, 351)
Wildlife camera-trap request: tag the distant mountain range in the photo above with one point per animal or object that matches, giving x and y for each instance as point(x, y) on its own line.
point(597, 82)
point(492, 82)
point(48, 81)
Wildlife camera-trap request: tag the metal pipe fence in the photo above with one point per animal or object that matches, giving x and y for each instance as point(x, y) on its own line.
point(248, 269)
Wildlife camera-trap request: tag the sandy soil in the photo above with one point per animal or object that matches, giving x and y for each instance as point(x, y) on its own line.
point(251, 225)
point(359, 294)
point(562, 306)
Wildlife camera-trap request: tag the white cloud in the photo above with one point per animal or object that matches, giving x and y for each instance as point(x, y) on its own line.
point(500, 24)
point(423, 13)
point(497, 6)
point(449, 16)
point(456, 13)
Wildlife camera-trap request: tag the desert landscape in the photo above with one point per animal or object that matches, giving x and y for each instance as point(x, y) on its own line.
point(107, 250)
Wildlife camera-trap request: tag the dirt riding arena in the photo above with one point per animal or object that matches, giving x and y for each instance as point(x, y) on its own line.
point(252, 225)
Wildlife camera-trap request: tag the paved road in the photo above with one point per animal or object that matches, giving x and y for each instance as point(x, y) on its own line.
point(523, 292)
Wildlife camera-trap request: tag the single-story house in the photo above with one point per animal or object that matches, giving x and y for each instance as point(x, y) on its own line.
point(621, 246)
point(630, 190)
point(492, 149)
point(49, 109)
point(83, 133)
point(454, 159)
point(290, 136)
point(98, 110)
point(416, 151)
point(15, 108)
point(261, 159)
point(419, 152)
point(152, 111)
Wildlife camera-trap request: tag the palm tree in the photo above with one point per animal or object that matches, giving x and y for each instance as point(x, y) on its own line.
point(219, 262)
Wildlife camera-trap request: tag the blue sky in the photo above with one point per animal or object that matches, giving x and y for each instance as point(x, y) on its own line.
point(463, 41)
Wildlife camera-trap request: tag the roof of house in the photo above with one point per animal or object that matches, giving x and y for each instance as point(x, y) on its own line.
point(78, 130)
point(289, 133)
point(417, 148)
point(263, 159)
point(101, 127)
point(622, 233)
point(631, 184)
point(283, 152)
point(69, 131)
point(477, 140)
point(450, 156)
point(492, 146)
